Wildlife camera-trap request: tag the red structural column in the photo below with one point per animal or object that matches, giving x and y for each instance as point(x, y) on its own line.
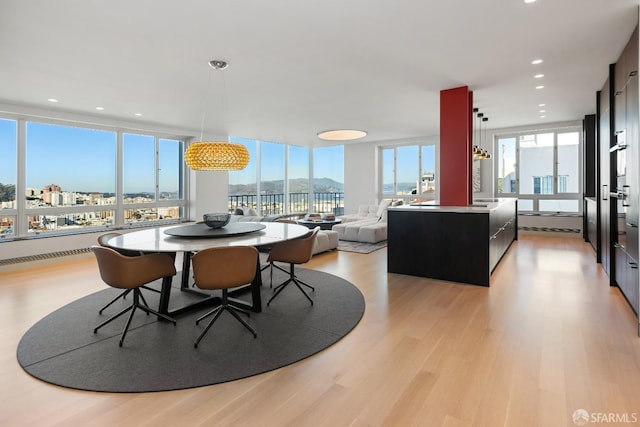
point(456, 132)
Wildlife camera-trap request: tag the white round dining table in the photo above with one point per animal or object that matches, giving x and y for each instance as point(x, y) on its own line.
point(155, 240)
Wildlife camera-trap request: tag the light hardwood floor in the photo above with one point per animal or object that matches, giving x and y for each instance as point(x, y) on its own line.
point(547, 338)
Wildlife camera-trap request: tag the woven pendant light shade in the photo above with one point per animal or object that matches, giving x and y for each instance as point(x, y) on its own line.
point(216, 156)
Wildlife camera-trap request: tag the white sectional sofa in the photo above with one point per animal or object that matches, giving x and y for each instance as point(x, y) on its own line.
point(326, 240)
point(369, 225)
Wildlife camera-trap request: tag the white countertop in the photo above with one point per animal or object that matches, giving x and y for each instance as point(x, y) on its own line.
point(479, 206)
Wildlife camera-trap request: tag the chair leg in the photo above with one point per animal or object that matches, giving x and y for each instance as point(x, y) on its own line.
point(126, 327)
point(269, 265)
point(304, 283)
point(137, 295)
point(302, 290)
point(144, 301)
point(114, 317)
point(218, 313)
point(204, 316)
point(224, 306)
point(280, 268)
point(148, 310)
point(241, 320)
point(279, 289)
point(124, 294)
point(271, 275)
point(120, 295)
point(296, 281)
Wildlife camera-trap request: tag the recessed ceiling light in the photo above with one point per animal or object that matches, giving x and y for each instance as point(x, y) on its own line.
point(538, 76)
point(529, 1)
point(536, 61)
point(138, 114)
point(541, 105)
point(539, 87)
point(342, 134)
point(542, 111)
point(52, 100)
point(543, 117)
point(100, 108)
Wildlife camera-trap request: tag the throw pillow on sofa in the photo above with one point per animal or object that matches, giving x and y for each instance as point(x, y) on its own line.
point(382, 209)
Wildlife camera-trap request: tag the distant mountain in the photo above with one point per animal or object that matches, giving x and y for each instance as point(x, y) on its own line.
point(7, 192)
point(297, 185)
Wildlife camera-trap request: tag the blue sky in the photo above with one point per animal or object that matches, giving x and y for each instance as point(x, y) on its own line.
point(79, 159)
point(328, 162)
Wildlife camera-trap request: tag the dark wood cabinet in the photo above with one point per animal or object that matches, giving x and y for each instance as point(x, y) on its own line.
point(620, 126)
point(591, 222)
point(459, 244)
point(604, 187)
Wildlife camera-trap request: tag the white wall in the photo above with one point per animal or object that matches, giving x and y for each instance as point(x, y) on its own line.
point(360, 176)
point(208, 193)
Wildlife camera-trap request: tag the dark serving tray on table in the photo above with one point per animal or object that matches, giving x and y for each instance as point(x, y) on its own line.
point(203, 230)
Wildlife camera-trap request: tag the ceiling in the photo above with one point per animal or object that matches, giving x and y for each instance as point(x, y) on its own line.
point(301, 67)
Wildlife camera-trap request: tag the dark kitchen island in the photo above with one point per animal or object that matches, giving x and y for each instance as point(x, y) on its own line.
point(455, 243)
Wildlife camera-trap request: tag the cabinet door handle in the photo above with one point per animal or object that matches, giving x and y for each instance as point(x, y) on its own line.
point(633, 265)
point(605, 192)
point(625, 194)
point(632, 225)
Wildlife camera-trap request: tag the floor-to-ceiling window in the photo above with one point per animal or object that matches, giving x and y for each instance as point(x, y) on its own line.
point(243, 184)
point(8, 176)
point(76, 178)
point(328, 179)
point(298, 179)
point(408, 172)
point(542, 169)
point(70, 177)
point(280, 174)
point(272, 178)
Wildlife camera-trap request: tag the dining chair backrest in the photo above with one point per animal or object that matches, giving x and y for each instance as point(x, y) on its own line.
point(296, 251)
point(103, 240)
point(125, 272)
point(225, 267)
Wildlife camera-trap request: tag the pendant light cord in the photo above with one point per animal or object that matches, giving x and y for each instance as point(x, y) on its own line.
point(204, 105)
point(223, 89)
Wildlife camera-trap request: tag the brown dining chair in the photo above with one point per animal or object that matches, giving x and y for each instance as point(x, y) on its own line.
point(123, 272)
point(103, 240)
point(224, 268)
point(267, 248)
point(296, 251)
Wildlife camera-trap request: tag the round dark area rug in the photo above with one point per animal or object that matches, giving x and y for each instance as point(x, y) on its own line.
point(156, 356)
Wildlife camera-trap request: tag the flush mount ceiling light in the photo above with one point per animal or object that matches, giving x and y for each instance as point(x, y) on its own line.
point(212, 156)
point(342, 135)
